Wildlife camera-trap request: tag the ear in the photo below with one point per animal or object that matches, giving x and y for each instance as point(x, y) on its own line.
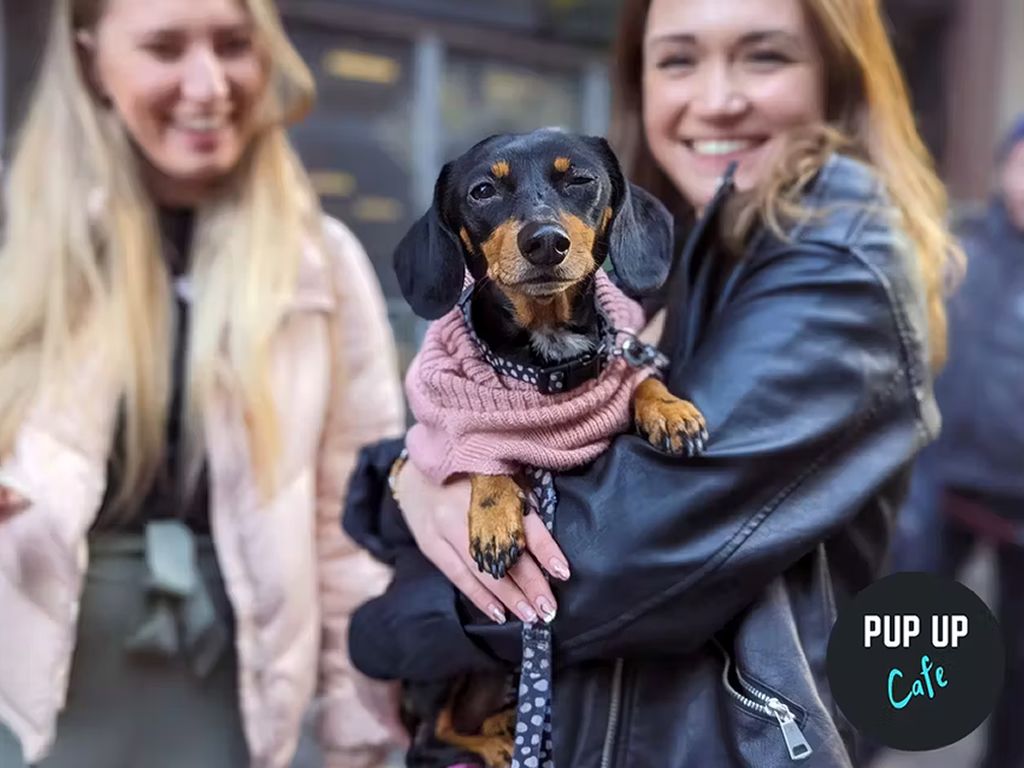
point(429, 261)
point(639, 235)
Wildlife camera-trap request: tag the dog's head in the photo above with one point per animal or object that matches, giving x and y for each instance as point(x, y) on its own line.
point(536, 214)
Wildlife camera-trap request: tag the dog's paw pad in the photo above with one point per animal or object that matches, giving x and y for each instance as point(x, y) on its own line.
point(496, 534)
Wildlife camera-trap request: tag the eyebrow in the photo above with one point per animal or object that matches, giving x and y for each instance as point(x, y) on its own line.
point(232, 27)
point(751, 38)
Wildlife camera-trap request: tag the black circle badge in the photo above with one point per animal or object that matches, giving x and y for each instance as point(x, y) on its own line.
point(916, 661)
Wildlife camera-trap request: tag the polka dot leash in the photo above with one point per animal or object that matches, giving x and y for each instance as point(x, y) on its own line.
point(533, 743)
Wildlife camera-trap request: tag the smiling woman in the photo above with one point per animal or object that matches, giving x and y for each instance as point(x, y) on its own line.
point(186, 80)
point(719, 90)
point(167, 272)
point(802, 314)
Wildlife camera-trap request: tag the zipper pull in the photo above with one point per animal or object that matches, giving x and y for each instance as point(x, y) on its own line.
point(797, 745)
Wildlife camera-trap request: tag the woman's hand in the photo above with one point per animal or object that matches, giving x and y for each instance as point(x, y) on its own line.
point(438, 517)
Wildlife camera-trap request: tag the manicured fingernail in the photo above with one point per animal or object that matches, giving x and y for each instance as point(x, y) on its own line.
point(526, 611)
point(558, 568)
point(547, 610)
point(496, 613)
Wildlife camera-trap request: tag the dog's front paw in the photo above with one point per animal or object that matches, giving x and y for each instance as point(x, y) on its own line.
point(668, 422)
point(496, 534)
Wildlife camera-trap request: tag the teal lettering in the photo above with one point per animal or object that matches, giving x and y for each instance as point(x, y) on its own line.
point(897, 704)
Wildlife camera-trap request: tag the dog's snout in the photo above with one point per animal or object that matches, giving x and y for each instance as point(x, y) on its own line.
point(544, 244)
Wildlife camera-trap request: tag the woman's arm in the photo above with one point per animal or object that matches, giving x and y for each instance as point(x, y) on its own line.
point(812, 381)
point(359, 717)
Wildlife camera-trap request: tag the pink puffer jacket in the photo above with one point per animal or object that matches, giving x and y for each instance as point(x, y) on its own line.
point(292, 576)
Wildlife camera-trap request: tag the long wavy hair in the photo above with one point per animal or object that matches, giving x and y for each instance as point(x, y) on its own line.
point(82, 247)
point(868, 114)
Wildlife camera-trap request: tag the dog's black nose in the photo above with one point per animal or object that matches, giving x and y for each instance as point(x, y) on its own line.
point(544, 244)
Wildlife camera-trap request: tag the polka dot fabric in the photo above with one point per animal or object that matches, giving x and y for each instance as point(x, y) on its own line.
point(533, 747)
point(554, 379)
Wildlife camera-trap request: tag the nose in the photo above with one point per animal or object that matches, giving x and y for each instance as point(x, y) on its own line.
point(544, 244)
point(204, 79)
point(721, 95)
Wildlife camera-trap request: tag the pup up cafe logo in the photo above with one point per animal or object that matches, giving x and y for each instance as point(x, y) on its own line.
point(916, 661)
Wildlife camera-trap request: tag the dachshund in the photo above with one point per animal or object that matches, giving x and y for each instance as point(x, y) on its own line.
point(532, 218)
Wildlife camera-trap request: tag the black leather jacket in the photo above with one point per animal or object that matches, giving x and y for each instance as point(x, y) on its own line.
point(703, 587)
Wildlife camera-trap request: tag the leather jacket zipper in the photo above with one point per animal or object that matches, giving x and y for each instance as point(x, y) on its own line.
point(613, 715)
point(757, 700)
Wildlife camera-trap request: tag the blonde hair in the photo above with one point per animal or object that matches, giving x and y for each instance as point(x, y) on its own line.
point(868, 113)
point(65, 261)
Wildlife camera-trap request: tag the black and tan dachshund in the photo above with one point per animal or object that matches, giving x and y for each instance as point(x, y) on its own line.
point(533, 217)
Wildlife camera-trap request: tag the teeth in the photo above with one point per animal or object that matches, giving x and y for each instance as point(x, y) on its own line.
point(202, 123)
point(721, 147)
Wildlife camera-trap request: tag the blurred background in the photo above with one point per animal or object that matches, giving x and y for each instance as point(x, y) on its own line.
point(406, 84)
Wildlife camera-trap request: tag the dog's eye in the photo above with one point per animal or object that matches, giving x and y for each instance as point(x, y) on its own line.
point(483, 191)
point(579, 181)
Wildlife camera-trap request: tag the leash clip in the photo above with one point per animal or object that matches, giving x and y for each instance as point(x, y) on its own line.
point(639, 354)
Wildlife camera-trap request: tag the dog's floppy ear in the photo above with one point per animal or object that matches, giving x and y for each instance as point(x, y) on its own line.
point(429, 261)
point(639, 235)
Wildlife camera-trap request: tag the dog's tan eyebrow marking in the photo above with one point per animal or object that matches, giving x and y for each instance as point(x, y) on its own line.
point(464, 235)
point(500, 169)
point(562, 164)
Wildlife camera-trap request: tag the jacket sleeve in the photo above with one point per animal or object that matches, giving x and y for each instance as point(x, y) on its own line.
point(365, 405)
point(815, 391)
point(63, 435)
point(813, 386)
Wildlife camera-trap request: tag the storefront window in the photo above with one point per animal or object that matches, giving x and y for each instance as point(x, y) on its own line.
point(482, 96)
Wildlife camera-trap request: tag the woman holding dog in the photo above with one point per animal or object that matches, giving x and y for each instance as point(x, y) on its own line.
point(804, 319)
point(190, 356)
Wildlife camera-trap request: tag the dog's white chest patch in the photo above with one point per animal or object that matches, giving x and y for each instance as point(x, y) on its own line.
point(560, 345)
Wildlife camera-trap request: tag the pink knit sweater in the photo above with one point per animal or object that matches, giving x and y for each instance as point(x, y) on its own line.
point(471, 419)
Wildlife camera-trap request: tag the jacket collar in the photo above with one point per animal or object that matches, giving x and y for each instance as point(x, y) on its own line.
point(841, 200)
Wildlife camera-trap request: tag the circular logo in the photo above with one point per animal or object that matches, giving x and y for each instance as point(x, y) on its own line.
point(916, 661)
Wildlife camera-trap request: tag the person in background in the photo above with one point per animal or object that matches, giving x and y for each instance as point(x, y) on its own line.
point(804, 318)
point(969, 486)
point(190, 357)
